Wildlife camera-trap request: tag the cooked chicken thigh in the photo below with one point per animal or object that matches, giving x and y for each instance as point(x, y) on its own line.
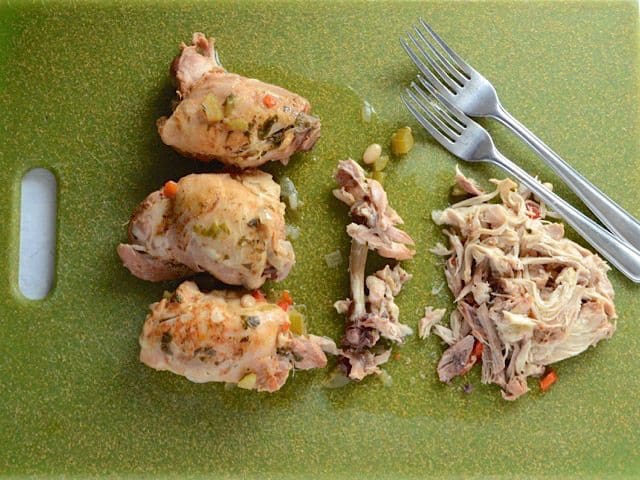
point(231, 226)
point(227, 336)
point(236, 120)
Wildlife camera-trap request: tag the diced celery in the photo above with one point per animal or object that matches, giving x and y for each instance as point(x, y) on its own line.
point(378, 176)
point(212, 109)
point(402, 141)
point(298, 325)
point(229, 104)
point(381, 163)
point(248, 382)
point(237, 124)
point(212, 231)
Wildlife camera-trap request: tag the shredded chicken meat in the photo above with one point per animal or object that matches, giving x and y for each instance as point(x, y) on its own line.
point(430, 320)
point(372, 314)
point(233, 119)
point(227, 336)
point(231, 226)
point(531, 296)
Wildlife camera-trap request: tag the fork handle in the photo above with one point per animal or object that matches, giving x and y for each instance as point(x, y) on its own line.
point(618, 252)
point(609, 212)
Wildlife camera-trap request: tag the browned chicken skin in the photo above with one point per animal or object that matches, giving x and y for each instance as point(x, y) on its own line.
point(227, 336)
point(233, 119)
point(231, 226)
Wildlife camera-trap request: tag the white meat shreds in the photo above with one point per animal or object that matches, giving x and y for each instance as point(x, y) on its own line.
point(431, 319)
point(440, 250)
point(529, 295)
point(468, 185)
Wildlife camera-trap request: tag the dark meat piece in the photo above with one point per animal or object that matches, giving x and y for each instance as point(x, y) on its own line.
point(456, 360)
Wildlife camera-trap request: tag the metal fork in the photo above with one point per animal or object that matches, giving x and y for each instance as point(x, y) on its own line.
point(474, 95)
point(466, 139)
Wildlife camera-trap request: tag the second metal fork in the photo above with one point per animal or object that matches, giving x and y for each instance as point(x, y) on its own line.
point(474, 95)
point(466, 139)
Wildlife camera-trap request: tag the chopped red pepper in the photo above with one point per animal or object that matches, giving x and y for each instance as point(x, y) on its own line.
point(285, 301)
point(269, 101)
point(170, 189)
point(477, 350)
point(533, 209)
point(258, 295)
point(549, 379)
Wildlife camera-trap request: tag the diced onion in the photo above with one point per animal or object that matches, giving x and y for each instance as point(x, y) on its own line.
point(386, 379)
point(367, 112)
point(337, 380)
point(292, 232)
point(289, 193)
point(333, 259)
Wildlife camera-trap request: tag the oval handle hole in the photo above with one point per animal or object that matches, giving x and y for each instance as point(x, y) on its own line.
point(38, 205)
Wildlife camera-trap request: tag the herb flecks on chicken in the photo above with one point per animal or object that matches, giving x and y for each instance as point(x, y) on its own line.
point(227, 336)
point(530, 296)
point(233, 119)
point(372, 315)
point(231, 226)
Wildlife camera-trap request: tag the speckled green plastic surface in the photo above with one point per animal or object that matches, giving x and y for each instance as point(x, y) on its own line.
point(81, 85)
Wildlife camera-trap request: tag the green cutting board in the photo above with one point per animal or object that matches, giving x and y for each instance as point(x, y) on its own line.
point(81, 85)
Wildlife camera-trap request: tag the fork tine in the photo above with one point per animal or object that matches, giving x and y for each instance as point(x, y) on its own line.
point(435, 133)
point(451, 69)
point(451, 108)
point(438, 120)
point(422, 67)
point(444, 78)
point(439, 112)
point(464, 66)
